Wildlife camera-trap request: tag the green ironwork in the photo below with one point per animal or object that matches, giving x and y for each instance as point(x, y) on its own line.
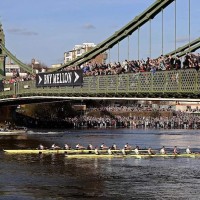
point(189, 25)
point(176, 83)
point(184, 48)
point(128, 29)
point(2, 54)
point(17, 61)
point(162, 31)
point(150, 32)
point(175, 31)
point(138, 43)
point(190, 49)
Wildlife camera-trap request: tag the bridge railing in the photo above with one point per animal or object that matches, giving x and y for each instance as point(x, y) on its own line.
point(148, 84)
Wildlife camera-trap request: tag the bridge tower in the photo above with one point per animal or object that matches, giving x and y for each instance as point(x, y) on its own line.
point(2, 55)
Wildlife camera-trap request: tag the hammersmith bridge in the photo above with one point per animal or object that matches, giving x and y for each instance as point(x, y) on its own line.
point(168, 84)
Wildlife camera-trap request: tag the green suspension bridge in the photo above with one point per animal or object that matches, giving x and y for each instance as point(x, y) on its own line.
point(178, 84)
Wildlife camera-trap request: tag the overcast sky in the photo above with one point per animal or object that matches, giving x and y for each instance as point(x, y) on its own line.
point(45, 29)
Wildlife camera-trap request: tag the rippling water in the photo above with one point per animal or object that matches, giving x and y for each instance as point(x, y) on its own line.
point(57, 177)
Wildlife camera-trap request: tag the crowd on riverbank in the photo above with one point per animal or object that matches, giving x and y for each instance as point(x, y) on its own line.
point(178, 120)
point(121, 116)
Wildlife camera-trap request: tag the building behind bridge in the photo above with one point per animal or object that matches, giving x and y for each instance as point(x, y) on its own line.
point(79, 50)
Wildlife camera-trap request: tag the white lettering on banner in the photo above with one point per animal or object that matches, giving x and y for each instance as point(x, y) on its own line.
point(62, 78)
point(54, 78)
point(47, 79)
point(70, 77)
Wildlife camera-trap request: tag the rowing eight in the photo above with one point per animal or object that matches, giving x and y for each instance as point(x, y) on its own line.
point(72, 153)
point(59, 151)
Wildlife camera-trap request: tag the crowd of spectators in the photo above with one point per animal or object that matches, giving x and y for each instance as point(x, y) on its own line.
point(129, 108)
point(133, 66)
point(17, 78)
point(179, 120)
point(162, 63)
point(114, 118)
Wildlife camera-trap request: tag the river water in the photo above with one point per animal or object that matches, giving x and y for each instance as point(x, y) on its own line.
point(49, 177)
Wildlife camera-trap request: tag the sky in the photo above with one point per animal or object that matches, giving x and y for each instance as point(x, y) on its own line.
point(45, 29)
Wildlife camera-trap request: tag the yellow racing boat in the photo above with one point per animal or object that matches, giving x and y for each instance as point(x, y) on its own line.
point(56, 151)
point(59, 151)
point(184, 155)
point(83, 153)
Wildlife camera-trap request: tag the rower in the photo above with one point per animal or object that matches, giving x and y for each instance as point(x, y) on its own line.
point(114, 147)
point(175, 150)
point(137, 150)
point(103, 146)
point(78, 146)
point(127, 146)
point(66, 147)
point(188, 151)
point(41, 147)
point(162, 150)
point(54, 147)
point(150, 152)
point(89, 147)
point(109, 151)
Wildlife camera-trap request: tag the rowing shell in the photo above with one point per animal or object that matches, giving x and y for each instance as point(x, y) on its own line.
point(58, 151)
point(131, 155)
point(73, 153)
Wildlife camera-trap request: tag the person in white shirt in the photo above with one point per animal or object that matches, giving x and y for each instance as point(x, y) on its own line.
point(123, 152)
point(66, 146)
point(137, 150)
point(109, 151)
point(188, 151)
point(96, 151)
point(162, 150)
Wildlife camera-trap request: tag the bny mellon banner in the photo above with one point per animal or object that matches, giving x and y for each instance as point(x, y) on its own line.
point(62, 78)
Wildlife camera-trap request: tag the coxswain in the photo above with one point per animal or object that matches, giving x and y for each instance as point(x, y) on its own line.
point(109, 151)
point(150, 152)
point(114, 147)
point(188, 151)
point(162, 150)
point(41, 147)
point(175, 151)
point(136, 150)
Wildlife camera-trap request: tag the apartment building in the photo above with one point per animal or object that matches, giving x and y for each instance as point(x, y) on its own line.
point(78, 50)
